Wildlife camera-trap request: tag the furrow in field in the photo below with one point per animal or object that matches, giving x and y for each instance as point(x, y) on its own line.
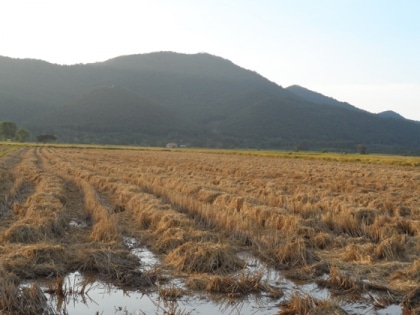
point(177, 183)
point(167, 231)
point(31, 246)
point(89, 241)
point(247, 225)
point(303, 188)
point(40, 216)
point(304, 216)
point(51, 235)
point(13, 188)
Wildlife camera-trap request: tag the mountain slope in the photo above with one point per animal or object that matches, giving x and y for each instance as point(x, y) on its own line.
point(196, 65)
point(293, 122)
point(316, 97)
point(200, 99)
point(111, 110)
point(115, 108)
point(20, 111)
point(201, 87)
point(390, 114)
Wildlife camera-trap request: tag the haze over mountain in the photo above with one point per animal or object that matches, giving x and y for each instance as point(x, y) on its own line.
point(198, 100)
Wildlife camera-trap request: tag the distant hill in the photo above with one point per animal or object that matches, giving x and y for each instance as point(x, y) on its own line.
point(114, 111)
point(19, 110)
point(199, 100)
point(317, 98)
point(201, 87)
point(325, 125)
point(390, 114)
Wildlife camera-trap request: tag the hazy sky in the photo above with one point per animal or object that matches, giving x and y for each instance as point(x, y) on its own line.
point(365, 52)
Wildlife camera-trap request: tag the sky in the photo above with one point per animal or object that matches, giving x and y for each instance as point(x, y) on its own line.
point(364, 52)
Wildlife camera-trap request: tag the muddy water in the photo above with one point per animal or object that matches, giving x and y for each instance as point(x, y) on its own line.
point(100, 298)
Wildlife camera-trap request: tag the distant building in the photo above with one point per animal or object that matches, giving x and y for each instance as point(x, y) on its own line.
point(172, 145)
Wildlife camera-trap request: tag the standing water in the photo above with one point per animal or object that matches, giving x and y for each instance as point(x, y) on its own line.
point(102, 298)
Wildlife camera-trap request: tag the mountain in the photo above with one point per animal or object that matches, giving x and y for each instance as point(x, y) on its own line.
point(390, 114)
point(201, 87)
point(199, 100)
point(20, 110)
point(317, 98)
point(106, 111)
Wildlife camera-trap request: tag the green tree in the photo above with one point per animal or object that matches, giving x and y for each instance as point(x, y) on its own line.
point(8, 130)
point(22, 134)
point(46, 138)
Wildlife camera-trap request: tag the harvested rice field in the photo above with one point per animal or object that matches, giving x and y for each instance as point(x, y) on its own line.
point(100, 231)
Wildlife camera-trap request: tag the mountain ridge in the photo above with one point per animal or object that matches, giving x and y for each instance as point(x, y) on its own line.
point(199, 99)
point(318, 98)
point(391, 114)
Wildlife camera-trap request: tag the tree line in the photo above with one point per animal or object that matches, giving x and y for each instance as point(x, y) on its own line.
point(9, 131)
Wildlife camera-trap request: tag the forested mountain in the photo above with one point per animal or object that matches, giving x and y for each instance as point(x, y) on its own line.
point(316, 97)
point(113, 115)
point(197, 100)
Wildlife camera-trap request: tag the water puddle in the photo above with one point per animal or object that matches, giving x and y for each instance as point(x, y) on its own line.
point(100, 298)
point(147, 258)
point(78, 224)
point(276, 278)
point(96, 297)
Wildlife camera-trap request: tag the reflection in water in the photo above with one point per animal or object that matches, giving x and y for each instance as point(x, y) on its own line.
point(100, 298)
point(275, 277)
point(87, 296)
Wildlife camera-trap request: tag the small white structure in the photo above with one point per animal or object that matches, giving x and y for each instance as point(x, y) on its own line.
point(172, 145)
